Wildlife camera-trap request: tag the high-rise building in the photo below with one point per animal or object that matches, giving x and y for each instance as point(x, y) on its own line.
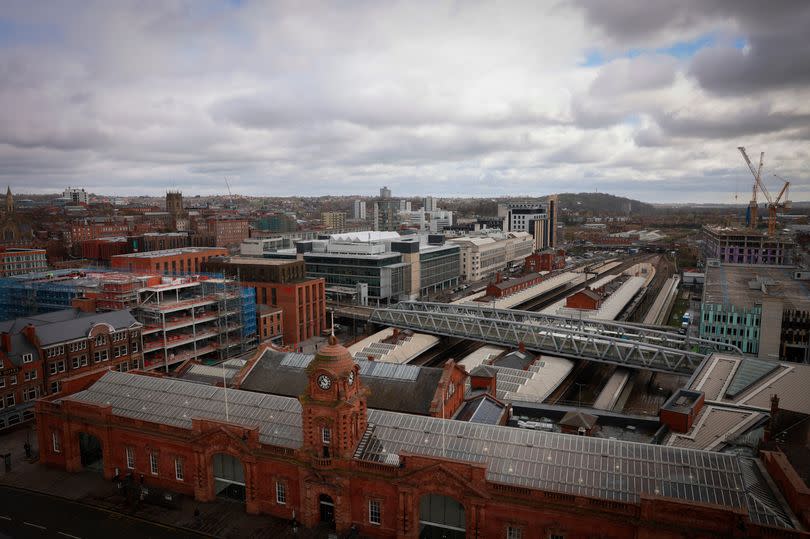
point(538, 218)
point(428, 204)
point(385, 192)
point(359, 210)
point(77, 196)
point(387, 214)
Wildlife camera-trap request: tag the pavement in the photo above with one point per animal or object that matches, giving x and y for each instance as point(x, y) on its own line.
point(84, 505)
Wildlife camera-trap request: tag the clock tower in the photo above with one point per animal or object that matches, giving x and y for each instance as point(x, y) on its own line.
point(333, 408)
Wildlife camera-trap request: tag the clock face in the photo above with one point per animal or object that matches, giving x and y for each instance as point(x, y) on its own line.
point(324, 382)
point(351, 377)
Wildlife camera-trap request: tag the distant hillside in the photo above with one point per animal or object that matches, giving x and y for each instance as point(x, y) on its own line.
point(602, 204)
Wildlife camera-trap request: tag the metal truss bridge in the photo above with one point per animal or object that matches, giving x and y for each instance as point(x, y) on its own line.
point(628, 345)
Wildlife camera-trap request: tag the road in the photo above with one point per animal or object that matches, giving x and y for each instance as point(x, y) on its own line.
point(25, 514)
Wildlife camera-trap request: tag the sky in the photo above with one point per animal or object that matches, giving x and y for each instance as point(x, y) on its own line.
point(648, 99)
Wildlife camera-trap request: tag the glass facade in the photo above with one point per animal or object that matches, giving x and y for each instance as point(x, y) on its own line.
point(728, 324)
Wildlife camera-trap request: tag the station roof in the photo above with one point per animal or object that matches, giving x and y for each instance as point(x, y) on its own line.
point(403, 388)
point(577, 465)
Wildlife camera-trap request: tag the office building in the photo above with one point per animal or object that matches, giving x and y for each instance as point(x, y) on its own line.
point(228, 232)
point(393, 267)
point(746, 246)
point(359, 210)
point(276, 223)
point(283, 284)
point(428, 204)
point(334, 219)
point(385, 192)
point(326, 458)
point(538, 218)
point(387, 214)
point(17, 261)
point(762, 310)
point(38, 352)
point(483, 255)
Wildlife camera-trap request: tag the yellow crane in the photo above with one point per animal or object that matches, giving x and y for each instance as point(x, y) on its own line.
point(777, 204)
point(751, 217)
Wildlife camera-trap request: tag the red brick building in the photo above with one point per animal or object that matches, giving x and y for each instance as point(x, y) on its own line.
point(501, 288)
point(270, 324)
point(283, 284)
point(544, 261)
point(326, 458)
point(183, 260)
point(38, 352)
point(16, 261)
point(228, 232)
point(586, 299)
point(103, 249)
point(79, 233)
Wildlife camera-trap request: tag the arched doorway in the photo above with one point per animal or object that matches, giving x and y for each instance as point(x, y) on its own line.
point(327, 508)
point(229, 477)
point(441, 517)
point(91, 453)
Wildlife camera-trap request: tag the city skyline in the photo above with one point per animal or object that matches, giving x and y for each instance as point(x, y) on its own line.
point(454, 100)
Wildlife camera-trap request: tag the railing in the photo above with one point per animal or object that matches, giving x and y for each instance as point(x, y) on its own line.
point(621, 344)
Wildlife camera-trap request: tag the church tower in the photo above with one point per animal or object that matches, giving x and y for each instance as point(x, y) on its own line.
point(9, 201)
point(334, 404)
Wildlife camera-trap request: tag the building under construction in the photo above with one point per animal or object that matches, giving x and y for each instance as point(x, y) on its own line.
point(204, 317)
point(747, 246)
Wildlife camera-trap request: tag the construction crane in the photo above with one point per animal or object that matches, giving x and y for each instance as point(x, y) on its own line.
point(751, 216)
point(230, 195)
point(777, 204)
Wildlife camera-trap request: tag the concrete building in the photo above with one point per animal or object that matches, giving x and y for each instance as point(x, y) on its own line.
point(762, 310)
point(486, 254)
point(745, 246)
point(76, 196)
point(393, 267)
point(326, 458)
point(172, 261)
point(334, 219)
point(276, 223)
point(38, 352)
point(538, 218)
point(261, 246)
point(17, 261)
point(283, 284)
point(359, 210)
point(429, 204)
point(385, 192)
point(203, 319)
point(387, 214)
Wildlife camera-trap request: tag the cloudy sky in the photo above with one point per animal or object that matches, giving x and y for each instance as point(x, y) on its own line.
point(648, 99)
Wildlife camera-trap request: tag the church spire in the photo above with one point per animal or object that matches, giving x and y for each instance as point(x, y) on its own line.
point(9, 201)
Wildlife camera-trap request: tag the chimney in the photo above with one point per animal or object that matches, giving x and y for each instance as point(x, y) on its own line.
point(370, 357)
point(87, 305)
point(498, 277)
point(30, 333)
point(522, 347)
point(5, 342)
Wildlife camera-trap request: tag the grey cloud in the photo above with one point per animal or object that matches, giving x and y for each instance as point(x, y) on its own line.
point(634, 75)
point(761, 119)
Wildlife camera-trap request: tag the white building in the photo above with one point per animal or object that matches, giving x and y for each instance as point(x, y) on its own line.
point(482, 256)
point(359, 211)
point(76, 196)
point(538, 218)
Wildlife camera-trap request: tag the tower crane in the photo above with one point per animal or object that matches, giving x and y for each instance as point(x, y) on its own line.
point(230, 195)
point(777, 204)
point(751, 217)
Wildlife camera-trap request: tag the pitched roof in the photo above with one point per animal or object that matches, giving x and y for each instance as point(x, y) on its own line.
point(579, 420)
point(402, 388)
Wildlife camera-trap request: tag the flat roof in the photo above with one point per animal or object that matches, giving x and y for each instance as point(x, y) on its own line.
point(254, 261)
point(746, 286)
point(170, 252)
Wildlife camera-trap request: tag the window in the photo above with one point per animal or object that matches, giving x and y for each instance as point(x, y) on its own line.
point(74, 362)
point(100, 340)
point(281, 492)
point(30, 375)
point(100, 355)
point(56, 387)
point(514, 532)
point(28, 358)
point(153, 463)
point(30, 393)
point(130, 458)
point(178, 469)
point(134, 346)
point(556, 536)
point(10, 400)
point(13, 379)
point(374, 511)
point(2, 381)
point(326, 435)
point(57, 443)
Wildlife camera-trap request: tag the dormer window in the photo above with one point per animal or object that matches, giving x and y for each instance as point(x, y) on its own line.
point(28, 358)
